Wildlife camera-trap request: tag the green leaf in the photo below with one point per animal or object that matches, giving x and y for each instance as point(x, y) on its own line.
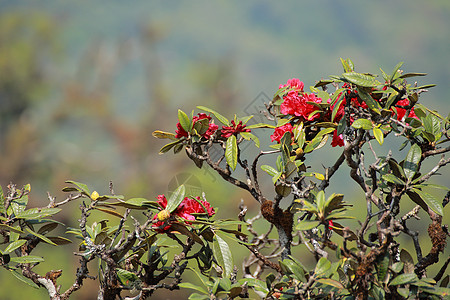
point(231, 152)
point(393, 179)
point(404, 279)
point(362, 123)
point(371, 103)
point(408, 261)
point(13, 246)
point(184, 120)
point(176, 198)
point(379, 136)
point(164, 135)
point(431, 201)
point(269, 170)
point(10, 228)
point(81, 187)
point(136, 203)
point(307, 225)
point(322, 266)
point(2, 201)
point(395, 74)
point(24, 279)
point(126, 277)
point(218, 116)
point(315, 142)
point(42, 237)
point(407, 75)
point(346, 65)
point(294, 269)
point(412, 160)
point(332, 282)
point(169, 146)
point(359, 79)
point(58, 240)
point(37, 213)
point(382, 266)
point(222, 253)
point(27, 259)
point(188, 285)
point(195, 296)
point(250, 136)
point(320, 201)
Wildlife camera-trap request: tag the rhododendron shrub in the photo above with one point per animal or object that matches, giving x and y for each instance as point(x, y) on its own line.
point(357, 254)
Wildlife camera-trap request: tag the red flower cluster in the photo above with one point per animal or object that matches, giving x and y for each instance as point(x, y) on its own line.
point(228, 131)
point(294, 83)
point(401, 112)
point(180, 132)
point(296, 104)
point(279, 132)
point(185, 210)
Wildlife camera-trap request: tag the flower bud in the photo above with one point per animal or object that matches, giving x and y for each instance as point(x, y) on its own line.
point(163, 215)
point(94, 195)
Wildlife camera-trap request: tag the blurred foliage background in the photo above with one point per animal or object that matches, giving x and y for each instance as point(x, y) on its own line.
point(84, 83)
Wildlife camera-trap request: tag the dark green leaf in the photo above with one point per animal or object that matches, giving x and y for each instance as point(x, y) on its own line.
point(382, 266)
point(42, 237)
point(24, 279)
point(407, 75)
point(412, 160)
point(404, 279)
point(359, 79)
point(393, 179)
point(169, 146)
point(176, 198)
point(58, 240)
point(10, 228)
point(408, 261)
point(231, 152)
point(81, 187)
point(294, 269)
point(371, 103)
point(395, 74)
point(431, 201)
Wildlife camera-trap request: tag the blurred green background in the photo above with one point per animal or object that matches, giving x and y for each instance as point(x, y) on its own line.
point(83, 84)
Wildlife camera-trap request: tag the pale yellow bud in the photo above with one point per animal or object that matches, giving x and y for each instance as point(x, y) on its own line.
point(163, 215)
point(94, 195)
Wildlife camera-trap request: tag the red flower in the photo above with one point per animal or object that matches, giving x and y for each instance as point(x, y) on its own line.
point(337, 140)
point(228, 131)
point(185, 210)
point(180, 132)
point(401, 112)
point(279, 132)
point(296, 105)
point(293, 83)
